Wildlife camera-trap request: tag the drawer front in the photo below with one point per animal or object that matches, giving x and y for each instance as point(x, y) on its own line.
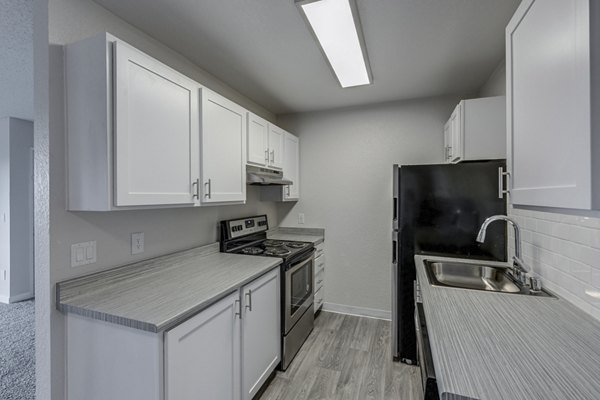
point(319, 264)
point(319, 299)
point(320, 249)
point(319, 279)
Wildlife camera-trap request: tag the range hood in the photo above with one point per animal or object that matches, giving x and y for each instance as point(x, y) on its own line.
point(265, 177)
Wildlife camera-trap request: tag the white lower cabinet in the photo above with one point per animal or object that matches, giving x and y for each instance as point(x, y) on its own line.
point(234, 344)
point(319, 277)
point(261, 332)
point(202, 355)
point(225, 352)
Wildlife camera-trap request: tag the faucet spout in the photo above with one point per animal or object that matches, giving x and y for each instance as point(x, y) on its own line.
point(517, 259)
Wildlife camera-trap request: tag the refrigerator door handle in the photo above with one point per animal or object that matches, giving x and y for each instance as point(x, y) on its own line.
point(501, 175)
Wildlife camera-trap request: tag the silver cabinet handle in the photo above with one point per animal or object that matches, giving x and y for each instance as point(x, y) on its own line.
point(501, 175)
point(272, 156)
point(196, 185)
point(266, 156)
point(249, 295)
point(238, 307)
point(288, 190)
point(208, 185)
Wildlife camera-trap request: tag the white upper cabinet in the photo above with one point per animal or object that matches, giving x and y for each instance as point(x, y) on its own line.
point(156, 125)
point(476, 130)
point(276, 146)
point(223, 150)
point(265, 143)
point(552, 59)
point(132, 129)
point(291, 167)
point(258, 140)
point(291, 171)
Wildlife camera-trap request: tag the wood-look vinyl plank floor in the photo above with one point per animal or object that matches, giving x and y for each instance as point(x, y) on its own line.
point(346, 358)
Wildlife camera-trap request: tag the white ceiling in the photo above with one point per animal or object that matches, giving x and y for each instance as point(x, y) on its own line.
point(262, 48)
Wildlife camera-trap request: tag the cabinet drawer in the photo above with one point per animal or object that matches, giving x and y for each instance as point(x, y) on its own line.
point(319, 264)
point(318, 299)
point(319, 279)
point(320, 249)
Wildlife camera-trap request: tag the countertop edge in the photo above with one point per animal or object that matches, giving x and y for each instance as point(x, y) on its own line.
point(170, 323)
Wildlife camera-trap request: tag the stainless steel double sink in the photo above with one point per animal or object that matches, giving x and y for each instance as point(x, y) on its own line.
point(476, 277)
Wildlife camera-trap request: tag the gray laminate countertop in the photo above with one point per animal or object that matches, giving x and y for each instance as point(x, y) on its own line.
point(490, 346)
point(157, 294)
point(314, 235)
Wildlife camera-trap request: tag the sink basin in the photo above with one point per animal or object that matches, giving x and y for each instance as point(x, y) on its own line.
point(470, 276)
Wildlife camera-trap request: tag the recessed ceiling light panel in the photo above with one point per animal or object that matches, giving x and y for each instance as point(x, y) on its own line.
point(336, 26)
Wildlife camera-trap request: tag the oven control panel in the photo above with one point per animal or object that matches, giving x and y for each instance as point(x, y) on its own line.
point(242, 227)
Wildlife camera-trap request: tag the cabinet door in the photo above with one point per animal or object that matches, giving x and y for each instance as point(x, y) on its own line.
point(447, 142)
point(548, 113)
point(155, 131)
point(275, 147)
point(202, 355)
point(223, 150)
point(291, 166)
point(258, 137)
point(456, 134)
point(261, 332)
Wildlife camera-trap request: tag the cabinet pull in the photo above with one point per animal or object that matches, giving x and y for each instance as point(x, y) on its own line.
point(249, 295)
point(501, 175)
point(288, 190)
point(266, 156)
point(196, 189)
point(238, 307)
point(272, 156)
point(208, 185)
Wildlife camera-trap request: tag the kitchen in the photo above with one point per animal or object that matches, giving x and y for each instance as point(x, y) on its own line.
point(348, 141)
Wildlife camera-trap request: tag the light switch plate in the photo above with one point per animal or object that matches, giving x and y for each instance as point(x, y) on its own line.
point(83, 253)
point(301, 218)
point(137, 243)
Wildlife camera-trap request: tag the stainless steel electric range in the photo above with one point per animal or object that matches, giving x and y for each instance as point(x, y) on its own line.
point(249, 236)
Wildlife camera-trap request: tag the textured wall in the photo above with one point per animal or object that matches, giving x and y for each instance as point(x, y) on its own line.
point(346, 187)
point(16, 58)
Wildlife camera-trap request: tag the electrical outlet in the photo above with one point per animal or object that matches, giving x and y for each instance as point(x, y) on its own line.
point(83, 253)
point(301, 218)
point(137, 243)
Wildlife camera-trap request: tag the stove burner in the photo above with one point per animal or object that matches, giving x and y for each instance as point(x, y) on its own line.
point(252, 250)
point(296, 245)
point(274, 251)
point(273, 243)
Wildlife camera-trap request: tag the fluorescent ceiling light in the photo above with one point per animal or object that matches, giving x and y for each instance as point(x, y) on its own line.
point(336, 26)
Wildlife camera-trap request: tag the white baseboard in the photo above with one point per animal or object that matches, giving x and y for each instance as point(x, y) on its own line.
point(14, 299)
point(359, 311)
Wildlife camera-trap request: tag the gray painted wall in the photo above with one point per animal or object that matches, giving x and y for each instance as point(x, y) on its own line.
point(496, 83)
point(56, 229)
point(346, 187)
point(16, 58)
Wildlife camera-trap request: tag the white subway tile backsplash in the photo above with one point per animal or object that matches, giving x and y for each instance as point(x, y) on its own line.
point(565, 250)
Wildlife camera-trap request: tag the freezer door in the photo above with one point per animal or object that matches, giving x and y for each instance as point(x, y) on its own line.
point(395, 344)
point(395, 196)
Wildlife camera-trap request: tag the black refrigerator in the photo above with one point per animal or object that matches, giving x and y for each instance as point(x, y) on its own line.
point(437, 210)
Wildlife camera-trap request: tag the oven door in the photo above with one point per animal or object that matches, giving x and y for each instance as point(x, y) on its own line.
point(298, 291)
